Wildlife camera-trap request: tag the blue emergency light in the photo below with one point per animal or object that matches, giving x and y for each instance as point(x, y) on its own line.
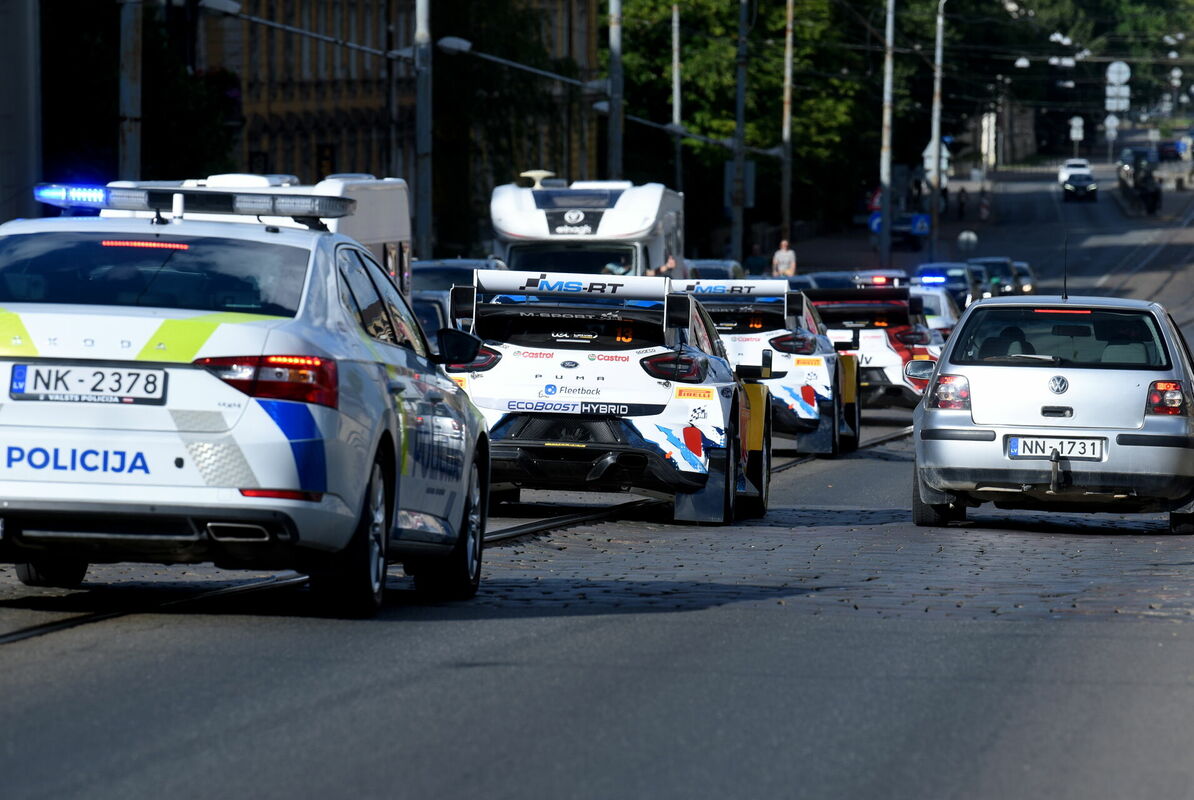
point(933, 279)
point(197, 201)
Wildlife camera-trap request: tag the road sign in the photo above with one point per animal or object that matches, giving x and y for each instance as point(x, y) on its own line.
point(1118, 72)
point(1116, 104)
point(1154, 135)
point(875, 222)
point(1110, 122)
point(1175, 73)
point(1112, 134)
point(1077, 122)
point(920, 225)
point(967, 241)
point(1123, 92)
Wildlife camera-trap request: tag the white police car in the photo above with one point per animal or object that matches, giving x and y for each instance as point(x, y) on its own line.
point(233, 392)
point(611, 383)
point(813, 388)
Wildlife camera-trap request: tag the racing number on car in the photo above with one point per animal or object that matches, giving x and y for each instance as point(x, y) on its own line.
point(625, 334)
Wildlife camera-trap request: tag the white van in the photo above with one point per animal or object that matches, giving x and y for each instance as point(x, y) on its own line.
point(381, 220)
point(591, 227)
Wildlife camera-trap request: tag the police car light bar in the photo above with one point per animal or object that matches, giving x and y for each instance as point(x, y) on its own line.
point(933, 279)
point(710, 291)
point(570, 284)
point(196, 201)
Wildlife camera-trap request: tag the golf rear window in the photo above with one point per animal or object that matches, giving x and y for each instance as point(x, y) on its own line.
point(1070, 336)
point(864, 315)
point(201, 273)
point(568, 329)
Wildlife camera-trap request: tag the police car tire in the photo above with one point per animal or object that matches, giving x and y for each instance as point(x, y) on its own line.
point(458, 576)
point(355, 584)
point(61, 573)
point(926, 515)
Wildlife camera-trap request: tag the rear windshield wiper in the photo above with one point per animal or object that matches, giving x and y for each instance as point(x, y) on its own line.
point(1025, 357)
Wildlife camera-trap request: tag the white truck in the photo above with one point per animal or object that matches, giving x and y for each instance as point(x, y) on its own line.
point(380, 221)
point(591, 227)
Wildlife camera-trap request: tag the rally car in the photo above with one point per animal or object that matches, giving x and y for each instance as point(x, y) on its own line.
point(235, 392)
point(886, 329)
point(613, 383)
point(813, 388)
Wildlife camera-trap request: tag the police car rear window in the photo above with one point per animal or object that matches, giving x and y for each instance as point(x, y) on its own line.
point(864, 315)
point(127, 269)
point(745, 322)
point(568, 329)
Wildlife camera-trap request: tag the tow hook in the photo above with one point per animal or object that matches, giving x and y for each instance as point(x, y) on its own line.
point(1055, 460)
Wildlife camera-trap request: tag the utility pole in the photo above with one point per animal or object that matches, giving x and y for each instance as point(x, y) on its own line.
point(738, 190)
point(935, 202)
point(131, 21)
point(679, 156)
point(423, 119)
point(885, 146)
point(785, 225)
point(614, 165)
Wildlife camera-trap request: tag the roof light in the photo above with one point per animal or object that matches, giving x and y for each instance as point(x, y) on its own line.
point(933, 279)
point(196, 201)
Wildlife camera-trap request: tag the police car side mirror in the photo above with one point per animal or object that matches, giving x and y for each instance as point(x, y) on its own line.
point(456, 346)
point(677, 308)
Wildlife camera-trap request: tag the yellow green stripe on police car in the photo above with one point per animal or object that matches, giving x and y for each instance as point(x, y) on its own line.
point(181, 339)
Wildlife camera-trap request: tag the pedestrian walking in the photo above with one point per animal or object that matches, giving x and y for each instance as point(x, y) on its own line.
point(783, 263)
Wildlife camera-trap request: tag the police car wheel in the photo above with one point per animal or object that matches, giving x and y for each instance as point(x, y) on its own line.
point(62, 573)
point(458, 576)
point(355, 585)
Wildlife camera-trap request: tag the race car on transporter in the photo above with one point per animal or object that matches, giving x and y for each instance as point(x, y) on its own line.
point(231, 391)
point(612, 383)
point(886, 329)
point(813, 388)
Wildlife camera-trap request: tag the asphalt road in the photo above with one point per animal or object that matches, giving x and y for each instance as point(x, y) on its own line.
point(829, 650)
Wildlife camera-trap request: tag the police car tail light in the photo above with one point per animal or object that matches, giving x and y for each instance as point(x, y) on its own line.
point(676, 367)
point(799, 343)
point(305, 379)
point(951, 392)
point(487, 358)
point(1166, 397)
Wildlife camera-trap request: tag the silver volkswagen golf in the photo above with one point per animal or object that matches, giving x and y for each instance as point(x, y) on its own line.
point(1052, 403)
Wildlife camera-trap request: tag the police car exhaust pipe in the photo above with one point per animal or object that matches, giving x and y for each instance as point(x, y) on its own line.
point(236, 532)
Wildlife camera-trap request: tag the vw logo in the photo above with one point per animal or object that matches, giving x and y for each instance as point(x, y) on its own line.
point(1058, 384)
point(573, 216)
point(569, 364)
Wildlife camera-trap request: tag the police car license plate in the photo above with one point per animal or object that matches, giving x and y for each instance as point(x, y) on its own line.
point(76, 383)
point(1043, 447)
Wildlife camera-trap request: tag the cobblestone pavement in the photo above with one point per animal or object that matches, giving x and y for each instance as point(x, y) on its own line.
point(813, 558)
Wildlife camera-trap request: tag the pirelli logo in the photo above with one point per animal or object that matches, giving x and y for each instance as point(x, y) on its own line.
point(694, 393)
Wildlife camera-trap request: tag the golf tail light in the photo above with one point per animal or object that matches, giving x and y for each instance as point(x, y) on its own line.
point(1166, 397)
point(803, 344)
point(950, 392)
point(676, 367)
point(487, 358)
point(305, 379)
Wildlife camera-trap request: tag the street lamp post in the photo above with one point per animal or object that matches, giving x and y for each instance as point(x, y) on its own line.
point(935, 201)
point(738, 189)
point(885, 141)
point(785, 223)
point(614, 165)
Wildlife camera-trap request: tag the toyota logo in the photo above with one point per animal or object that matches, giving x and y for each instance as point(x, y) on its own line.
point(1058, 384)
point(572, 216)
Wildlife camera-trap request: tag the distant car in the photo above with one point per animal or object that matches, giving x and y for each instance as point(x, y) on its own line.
point(1056, 404)
point(880, 278)
point(902, 232)
point(960, 279)
point(835, 279)
point(940, 310)
point(1026, 276)
point(715, 269)
point(1080, 186)
point(1001, 278)
point(886, 329)
point(798, 282)
point(1070, 166)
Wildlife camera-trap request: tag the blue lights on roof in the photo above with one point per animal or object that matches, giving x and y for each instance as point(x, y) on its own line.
point(933, 279)
point(57, 194)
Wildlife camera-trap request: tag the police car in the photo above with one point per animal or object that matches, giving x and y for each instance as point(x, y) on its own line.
point(813, 388)
point(885, 329)
point(256, 396)
point(614, 383)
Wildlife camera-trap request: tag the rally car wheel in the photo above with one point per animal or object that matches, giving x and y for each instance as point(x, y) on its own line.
point(62, 573)
point(355, 584)
point(458, 576)
point(927, 515)
point(758, 470)
point(729, 505)
point(854, 420)
point(835, 439)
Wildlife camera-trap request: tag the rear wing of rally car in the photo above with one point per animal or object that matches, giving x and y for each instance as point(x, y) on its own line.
point(746, 295)
point(571, 288)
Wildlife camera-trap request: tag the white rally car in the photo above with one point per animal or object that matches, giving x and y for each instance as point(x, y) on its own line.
point(886, 329)
point(611, 383)
point(813, 388)
point(235, 392)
